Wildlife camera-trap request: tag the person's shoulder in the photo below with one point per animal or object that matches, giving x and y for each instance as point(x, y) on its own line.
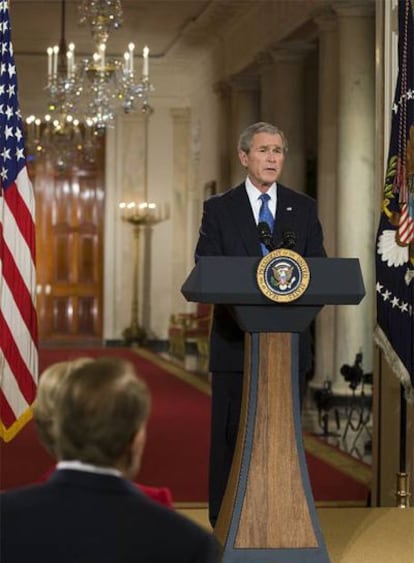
point(24, 490)
point(27, 495)
point(299, 197)
point(226, 196)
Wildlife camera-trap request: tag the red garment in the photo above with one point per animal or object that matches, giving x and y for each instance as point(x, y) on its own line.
point(162, 495)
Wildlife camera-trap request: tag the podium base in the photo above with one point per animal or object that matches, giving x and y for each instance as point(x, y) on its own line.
point(275, 556)
point(268, 513)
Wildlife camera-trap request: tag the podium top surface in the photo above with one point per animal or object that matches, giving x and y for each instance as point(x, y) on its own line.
point(232, 280)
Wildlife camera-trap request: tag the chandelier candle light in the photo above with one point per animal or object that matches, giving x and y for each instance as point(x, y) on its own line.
point(110, 83)
point(85, 93)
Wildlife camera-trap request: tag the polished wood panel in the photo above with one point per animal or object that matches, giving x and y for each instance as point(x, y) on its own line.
point(268, 512)
point(69, 233)
point(274, 490)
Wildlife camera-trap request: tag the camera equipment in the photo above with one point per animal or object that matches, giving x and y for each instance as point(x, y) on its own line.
point(359, 409)
point(324, 401)
point(354, 374)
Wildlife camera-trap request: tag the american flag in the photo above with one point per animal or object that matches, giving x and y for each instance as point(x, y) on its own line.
point(395, 239)
point(18, 319)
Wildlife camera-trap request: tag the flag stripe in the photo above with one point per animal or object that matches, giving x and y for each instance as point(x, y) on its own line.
point(406, 226)
point(21, 296)
point(12, 393)
point(7, 415)
point(19, 202)
point(16, 338)
point(19, 269)
point(9, 425)
point(18, 318)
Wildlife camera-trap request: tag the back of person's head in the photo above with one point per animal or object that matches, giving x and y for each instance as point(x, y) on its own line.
point(50, 383)
point(246, 137)
point(103, 407)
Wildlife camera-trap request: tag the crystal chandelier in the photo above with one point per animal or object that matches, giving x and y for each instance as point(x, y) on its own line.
point(108, 82)
point(111, 83)
point(94, 88)
point(102, 16)
point(66, 143)
point(85, 93)
point(59, 135)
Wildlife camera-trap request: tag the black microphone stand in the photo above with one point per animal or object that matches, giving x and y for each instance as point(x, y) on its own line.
point(265, 236)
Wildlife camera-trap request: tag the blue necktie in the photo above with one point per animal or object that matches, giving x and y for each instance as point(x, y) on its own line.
point(266, 216)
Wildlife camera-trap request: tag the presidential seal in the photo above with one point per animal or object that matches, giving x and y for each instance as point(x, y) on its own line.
point(283, 275)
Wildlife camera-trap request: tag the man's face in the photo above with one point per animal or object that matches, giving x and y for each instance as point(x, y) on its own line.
point(265, 160)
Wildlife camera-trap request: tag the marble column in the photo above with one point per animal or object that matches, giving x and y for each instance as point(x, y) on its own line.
point(325, 367)
point(282, 103)
point(225, 139)
point(356, 187)
point(180, 210)
point(244, 112)
point(124, 174)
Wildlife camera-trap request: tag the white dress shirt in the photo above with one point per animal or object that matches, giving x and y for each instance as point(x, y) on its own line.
point(80, 466)
point(254, 197)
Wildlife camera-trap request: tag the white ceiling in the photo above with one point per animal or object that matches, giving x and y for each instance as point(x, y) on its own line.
point(178, 33)
point(168, 27)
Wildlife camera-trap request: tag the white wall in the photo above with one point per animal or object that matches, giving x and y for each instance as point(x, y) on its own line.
point(183, 85)
point(177, 87)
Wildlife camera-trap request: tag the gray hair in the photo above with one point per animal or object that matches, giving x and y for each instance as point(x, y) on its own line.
point(246, 138)
point(101, 407)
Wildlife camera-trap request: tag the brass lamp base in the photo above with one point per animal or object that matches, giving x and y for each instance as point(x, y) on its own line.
point(403, 492)
point(134, 334)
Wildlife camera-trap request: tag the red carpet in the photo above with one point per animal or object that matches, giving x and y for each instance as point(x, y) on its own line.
point(176, 453)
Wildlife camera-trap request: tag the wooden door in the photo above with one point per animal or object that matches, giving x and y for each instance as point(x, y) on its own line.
point(69, 252)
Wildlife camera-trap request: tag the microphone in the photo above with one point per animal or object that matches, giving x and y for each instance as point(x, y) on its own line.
point(265, 235)
point(288, 239)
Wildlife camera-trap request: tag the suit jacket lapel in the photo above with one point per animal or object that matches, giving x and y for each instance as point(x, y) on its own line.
point(285, 213)
point(245, 225)
point(244, 222)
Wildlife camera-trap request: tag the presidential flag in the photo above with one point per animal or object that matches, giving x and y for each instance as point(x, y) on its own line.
point(18, 320)
point(394, 332)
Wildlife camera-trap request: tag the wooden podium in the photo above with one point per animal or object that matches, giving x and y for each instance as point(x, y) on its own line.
point(268, 513)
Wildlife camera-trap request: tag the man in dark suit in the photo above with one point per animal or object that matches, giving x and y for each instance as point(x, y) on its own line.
point(44, 414)
point(229, 228)
point(89, 511)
